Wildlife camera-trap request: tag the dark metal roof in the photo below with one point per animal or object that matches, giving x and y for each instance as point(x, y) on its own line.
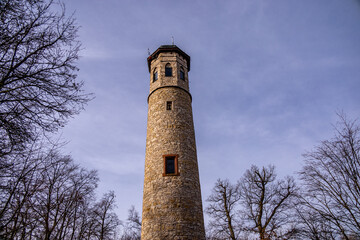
point(168, 48)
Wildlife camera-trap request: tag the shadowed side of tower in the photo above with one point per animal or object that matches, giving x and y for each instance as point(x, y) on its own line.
point(172, 206)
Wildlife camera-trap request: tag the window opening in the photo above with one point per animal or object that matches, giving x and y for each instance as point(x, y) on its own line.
point(168, 105)
point(155, 75)
point(168, 70)
point(170, 165)
point(182, 74)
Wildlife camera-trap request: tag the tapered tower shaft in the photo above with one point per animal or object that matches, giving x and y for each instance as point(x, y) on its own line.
point(172, 206)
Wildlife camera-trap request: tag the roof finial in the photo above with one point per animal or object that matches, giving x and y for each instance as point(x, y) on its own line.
point(172, 37)
point(148, 51)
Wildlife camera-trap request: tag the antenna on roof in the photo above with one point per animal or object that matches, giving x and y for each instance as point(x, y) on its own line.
point(148, 51)
point(172, 37)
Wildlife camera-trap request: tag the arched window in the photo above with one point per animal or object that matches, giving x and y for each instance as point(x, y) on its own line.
point(182, 73)
point(168, 70)
point(155, 75)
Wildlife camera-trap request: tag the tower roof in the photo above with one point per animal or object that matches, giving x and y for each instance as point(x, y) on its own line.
point(168, 48)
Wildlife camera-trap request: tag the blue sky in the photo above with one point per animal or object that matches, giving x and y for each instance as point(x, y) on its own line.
point(267, 78)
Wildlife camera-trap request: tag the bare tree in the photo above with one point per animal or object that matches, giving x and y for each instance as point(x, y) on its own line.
point(38, 51)
point(312, 225)
point(20, 181)
point(106, 221)
point(66, 185)
point(44, 195)
point(267, 204)
point(331, 179)
point(222, 208)
point(132, 227)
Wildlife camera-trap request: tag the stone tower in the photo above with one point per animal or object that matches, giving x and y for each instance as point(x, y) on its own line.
point(172, 207)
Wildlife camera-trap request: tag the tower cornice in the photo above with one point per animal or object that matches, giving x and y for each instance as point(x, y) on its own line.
point(170, 86)
point(168, 48)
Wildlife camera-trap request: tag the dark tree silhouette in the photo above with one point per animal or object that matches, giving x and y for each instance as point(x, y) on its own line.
point(106, 221)
point(19, 180)
point(132, 227)
point(257, 207)
point(222, 208)
point(267, 203)
point(44, 195)
point(331, 180)
point(38, 51)
point(311, 225)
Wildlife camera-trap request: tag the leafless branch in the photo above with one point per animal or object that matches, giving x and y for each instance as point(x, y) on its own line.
point(38, 87)
point(331, 179)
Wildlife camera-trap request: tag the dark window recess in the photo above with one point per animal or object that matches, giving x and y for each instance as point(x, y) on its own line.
point(170, 165)
point(182, 75)
point(168, 105)
point(155, 77)
point(168, 70)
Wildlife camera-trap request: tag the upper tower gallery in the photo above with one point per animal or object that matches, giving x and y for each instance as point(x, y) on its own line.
point(169, 66)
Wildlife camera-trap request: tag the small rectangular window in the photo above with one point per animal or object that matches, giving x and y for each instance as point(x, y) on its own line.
point(171, 165)
point(155, 77)
point(182, 75)
point(168, 71)
point(168, 105)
